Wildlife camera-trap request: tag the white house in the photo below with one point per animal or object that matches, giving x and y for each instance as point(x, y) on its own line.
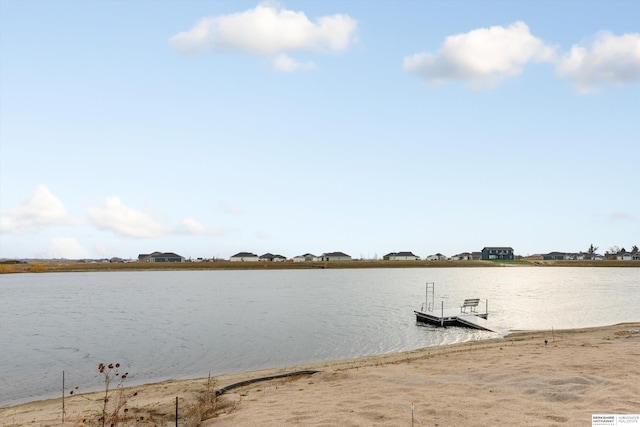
point(436, 257)
point(401, 256)
point(624, 256)
point(587, 256)
point(464, 256)
point(305, 257)
point(244, 256)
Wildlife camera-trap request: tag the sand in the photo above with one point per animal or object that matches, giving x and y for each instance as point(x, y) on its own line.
point(517, 380)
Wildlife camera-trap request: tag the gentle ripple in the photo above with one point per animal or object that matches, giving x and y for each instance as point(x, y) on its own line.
point(162, 325)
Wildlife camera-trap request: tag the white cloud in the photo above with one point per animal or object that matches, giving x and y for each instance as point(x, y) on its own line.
point(267, 30)
point(263, 235)
point(621, 216)
point(66, 247)
point(194, 227)
point(41, 210)
point(124, 221)
point(287, 64)
point(610, 60)
point(483, 57)
point(232, 208)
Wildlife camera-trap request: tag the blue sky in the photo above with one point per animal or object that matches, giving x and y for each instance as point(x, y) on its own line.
point(210, 128)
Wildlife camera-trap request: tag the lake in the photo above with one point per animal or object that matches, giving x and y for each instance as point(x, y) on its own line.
point(185, 324)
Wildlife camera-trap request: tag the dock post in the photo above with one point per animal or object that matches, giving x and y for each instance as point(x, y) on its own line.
point(442, 314)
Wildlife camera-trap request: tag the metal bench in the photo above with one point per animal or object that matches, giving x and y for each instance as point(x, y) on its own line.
point(470, 304)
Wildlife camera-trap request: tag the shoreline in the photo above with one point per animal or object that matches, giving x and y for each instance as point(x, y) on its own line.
point(578, 372)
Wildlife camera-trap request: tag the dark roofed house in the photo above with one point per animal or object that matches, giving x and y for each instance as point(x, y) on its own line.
point(271, 257)
point(401, 256)
point(464, 256)
point(335, 256)
point(160, 257)
point(305, 257)
point(555, 256)
point(497, 252)
point(244, 256)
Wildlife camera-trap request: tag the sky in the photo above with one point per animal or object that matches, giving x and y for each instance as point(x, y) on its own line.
point(208, 128)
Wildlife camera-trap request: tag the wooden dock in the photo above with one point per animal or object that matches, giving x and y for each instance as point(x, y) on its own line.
point(466, 316)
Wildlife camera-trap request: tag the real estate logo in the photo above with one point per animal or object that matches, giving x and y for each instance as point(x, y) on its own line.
point(615, 420)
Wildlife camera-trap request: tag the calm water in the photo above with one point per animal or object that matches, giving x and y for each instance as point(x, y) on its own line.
point(162, 325)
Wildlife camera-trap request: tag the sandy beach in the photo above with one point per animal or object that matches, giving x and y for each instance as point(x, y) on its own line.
point(516, 380)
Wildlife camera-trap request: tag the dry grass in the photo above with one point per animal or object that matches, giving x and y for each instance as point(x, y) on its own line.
point(73, 266)
point(208, 405)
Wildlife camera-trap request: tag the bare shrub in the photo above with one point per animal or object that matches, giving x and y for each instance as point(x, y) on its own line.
point(113, 408)
point(205, 406)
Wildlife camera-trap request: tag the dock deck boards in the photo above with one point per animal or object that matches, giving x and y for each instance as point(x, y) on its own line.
point(454, 317)
point(474, 321)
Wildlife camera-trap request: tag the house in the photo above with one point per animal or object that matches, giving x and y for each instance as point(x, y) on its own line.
point(244, 256)
point(625, 256)
point(160, 257)
point(266, 257)
point(436, 257)
point(497, 252)
point(588, 256)
point(335, 256)
point(556, 256)
point(401, 256)
point(306, 257)
point(272, 258)
point(464, 256)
